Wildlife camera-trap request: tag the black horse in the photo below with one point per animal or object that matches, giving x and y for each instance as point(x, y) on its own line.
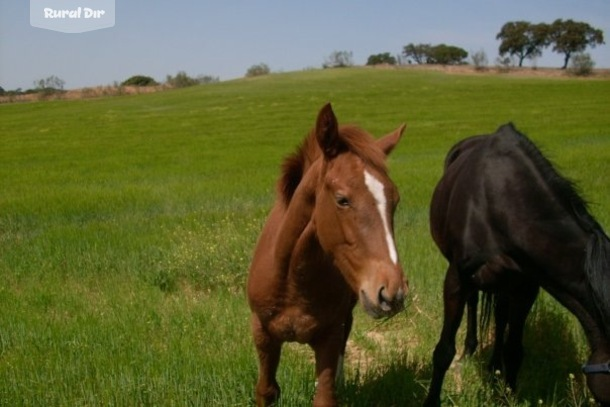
point(508, 223)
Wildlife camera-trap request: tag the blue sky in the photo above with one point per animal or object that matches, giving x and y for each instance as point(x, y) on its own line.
point(225, 38)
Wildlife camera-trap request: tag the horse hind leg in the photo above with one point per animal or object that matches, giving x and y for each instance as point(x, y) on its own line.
point(268, 350)
point(520, 306)
point(471, 342)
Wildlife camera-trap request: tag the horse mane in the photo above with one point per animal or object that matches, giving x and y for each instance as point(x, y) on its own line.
point(597, 257)
point(355, 139)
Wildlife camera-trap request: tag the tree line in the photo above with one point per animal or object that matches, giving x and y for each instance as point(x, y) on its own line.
point(519, 39)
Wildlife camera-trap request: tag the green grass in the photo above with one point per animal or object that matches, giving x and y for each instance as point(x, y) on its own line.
point(127, 225)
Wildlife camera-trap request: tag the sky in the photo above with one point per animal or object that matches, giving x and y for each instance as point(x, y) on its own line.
point(224, 38)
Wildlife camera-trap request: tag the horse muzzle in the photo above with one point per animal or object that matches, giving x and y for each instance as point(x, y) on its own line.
point(385, 304)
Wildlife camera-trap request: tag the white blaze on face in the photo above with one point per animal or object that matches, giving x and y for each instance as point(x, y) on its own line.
point(376, 189)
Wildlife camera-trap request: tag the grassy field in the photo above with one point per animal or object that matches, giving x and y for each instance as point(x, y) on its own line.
point(127, 225)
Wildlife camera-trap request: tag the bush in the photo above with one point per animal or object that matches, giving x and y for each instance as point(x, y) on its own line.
point(339, 59)
point(203, 79)
point(380, 59)
point(582, 64)
point(258, 70)
point(139, 80)
point(181, 80)
point(479, 60)
point(503, 64)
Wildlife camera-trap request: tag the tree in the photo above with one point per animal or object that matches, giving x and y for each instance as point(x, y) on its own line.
point(139, 80)
point(446, 55)
point(523, 39)
point(258, 70)
point(438, 54)
point(418, 52)
point(52, 83)
point(571, 36)
point(379, 59)
point(339, 59)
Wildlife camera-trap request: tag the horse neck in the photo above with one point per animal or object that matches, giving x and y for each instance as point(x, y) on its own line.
point(296, 218)
point(589, 300)
point(597, 269)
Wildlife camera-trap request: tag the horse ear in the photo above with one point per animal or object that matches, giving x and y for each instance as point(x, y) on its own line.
point(327, 133)
point(389, 141)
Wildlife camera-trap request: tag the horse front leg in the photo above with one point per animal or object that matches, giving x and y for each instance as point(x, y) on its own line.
point(454, 299)
point(329, 351)
point(268, 349)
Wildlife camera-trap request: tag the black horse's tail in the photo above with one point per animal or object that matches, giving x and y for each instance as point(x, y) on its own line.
point(597, 268)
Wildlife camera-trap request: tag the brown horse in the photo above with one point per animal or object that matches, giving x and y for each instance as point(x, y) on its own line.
point(509, 223)
point(328, 241)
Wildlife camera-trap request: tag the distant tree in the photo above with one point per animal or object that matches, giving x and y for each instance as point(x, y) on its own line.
point(479, 60)
point(2, 91)
point(418, 52)
point(181, 80)
point(570, 37)
point(379, 59)
point(44, 88)
point(52, 83)
point(446, 55)
point(523, 39)
point(139, 80)
point(339, 59)
point(258, 70)
point(438, 54)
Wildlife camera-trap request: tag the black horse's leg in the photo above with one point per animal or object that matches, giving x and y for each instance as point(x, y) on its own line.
point(454, 301)
point(520, 305)
point(501, 312)
point(471, 342)
point(268, 349)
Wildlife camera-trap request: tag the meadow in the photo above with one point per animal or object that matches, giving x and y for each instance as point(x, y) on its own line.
point(127, 225)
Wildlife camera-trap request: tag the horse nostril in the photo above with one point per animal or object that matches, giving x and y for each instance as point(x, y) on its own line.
point(400, 296)
point(384, 303)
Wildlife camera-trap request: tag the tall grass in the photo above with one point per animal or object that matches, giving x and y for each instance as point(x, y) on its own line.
point(127, 225)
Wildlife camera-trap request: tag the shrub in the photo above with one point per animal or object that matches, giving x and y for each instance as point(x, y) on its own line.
point(503, 64)
point(479, 60)
point(380, 59)
point(258, 70)
point(139, 80)
point(339, 59)
point(203, 79)
point(582, 64)
point(181, 80)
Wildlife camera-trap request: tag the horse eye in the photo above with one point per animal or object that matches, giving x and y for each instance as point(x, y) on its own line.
point(342, 201)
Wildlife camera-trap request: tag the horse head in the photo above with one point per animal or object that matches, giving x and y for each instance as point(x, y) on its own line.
point(354, 209)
